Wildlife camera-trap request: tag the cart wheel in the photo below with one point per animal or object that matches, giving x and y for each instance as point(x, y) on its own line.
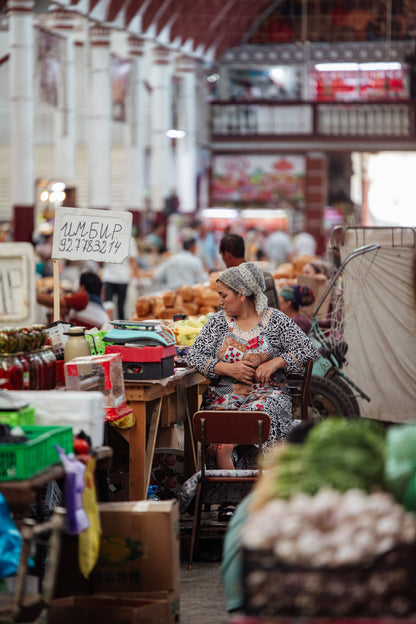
point(349, 392)
point(330, 399)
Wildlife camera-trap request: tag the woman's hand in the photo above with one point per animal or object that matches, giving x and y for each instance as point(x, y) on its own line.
point(243, 370)
point(265, 370)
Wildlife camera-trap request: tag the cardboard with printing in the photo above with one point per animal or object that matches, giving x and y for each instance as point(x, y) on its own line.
point(107, 610)
point(139, 555)
point(139, 548)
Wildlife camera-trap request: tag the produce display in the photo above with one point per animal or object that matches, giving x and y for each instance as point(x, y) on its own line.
point(326, 534)
point(330, 529)
point(337, 452)
point(188, 329)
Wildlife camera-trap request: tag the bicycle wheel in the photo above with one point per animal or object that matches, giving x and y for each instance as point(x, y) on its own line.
point(329, 399)
point(348, 391)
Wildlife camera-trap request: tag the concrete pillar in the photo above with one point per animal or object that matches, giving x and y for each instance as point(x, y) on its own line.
point(99, 143)
point(135, 178)
point(161, 165)
point(316, 197)
point(22, 116)
point(186, 148)
point(65, 119)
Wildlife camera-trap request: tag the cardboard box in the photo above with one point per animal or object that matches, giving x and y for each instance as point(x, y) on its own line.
point(107, 609)
point(139, 549)
point(169, 598)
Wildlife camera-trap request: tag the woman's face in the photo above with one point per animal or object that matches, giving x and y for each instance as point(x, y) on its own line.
point(284, 304)
point(230, 301)
point(309, 270)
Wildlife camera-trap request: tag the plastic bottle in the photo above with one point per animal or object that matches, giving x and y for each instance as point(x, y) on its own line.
point(151, 492)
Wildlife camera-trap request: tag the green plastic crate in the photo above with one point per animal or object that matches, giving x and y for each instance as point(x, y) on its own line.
point(22, 417)
point(22, 461)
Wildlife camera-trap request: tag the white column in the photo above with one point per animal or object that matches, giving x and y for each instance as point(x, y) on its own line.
point(22, 116)
point(186, 148)
point(161, 166)
point(65, 119)
point(137, 137)
point(99, 143)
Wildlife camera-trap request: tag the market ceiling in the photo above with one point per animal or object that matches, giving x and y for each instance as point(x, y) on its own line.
point(204, 28)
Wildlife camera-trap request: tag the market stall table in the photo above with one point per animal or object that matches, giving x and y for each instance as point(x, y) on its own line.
point(20, 495)
point(159, 403)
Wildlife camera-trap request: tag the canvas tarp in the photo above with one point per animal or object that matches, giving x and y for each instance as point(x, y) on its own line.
point(380, 328)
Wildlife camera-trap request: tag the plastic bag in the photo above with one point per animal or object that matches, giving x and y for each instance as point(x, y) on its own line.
point(400, 465)
point(10, 542)
point(89, 540)
point(76, 518)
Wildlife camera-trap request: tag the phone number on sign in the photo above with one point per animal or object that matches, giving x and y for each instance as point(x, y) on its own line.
point(88, 245)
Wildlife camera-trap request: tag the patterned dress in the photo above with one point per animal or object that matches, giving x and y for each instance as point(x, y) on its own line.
point(275, 335)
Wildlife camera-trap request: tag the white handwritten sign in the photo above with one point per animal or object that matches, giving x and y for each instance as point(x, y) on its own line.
point(17, 284)
point(100, 235)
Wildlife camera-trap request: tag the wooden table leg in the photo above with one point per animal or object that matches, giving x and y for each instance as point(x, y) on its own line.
point(151, 441)
point(136, 437)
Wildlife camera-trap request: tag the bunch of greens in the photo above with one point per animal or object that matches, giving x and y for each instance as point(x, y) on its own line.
point(337, 452)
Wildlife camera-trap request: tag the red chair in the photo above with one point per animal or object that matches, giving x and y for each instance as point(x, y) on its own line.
point(225, 427)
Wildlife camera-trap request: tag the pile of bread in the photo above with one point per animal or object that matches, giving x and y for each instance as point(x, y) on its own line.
point(200, 299)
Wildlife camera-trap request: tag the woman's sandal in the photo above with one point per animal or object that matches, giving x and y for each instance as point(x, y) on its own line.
point(225, 512)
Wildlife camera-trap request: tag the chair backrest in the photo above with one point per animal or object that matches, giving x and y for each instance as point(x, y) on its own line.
point(299, 386)
point(231, 427)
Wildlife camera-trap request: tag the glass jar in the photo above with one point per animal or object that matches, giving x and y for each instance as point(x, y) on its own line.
point(49, 361)
point(76, 345)
point(11, 372)
point(36, 368)
point(24, 361)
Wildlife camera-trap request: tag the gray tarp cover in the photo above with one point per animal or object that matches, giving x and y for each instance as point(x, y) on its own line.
point(380, 324)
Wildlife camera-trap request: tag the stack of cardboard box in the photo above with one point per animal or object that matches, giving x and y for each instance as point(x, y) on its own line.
point(136, 578)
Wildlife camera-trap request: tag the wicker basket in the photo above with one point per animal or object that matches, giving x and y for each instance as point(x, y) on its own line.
point(386, 586)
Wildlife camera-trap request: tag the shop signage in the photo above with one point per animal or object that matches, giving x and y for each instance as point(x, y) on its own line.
point(17, 286)
point(100, 235)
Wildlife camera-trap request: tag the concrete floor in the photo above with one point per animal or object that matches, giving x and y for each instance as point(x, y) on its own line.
point(202, 595)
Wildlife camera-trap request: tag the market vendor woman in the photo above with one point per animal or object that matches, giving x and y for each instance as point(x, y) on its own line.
point(246, 350)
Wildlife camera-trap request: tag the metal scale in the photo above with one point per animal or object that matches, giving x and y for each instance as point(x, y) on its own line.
point(147, 348)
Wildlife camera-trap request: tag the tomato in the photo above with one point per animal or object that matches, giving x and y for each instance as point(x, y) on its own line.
point(81, 446)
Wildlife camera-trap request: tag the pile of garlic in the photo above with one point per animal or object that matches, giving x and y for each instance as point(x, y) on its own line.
point(329, 529)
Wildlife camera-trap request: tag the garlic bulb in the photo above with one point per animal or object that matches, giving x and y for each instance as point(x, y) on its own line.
point(329, 529)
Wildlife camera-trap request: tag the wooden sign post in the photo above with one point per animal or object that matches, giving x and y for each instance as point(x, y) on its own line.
point(87, 234)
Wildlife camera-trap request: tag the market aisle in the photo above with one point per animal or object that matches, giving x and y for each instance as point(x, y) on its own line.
point(202, 594)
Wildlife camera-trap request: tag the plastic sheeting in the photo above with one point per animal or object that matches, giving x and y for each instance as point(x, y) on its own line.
point(380, 330)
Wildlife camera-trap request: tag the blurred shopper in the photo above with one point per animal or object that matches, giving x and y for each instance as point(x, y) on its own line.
point(84, 307)
point(116, 278)
point(154, 241)
point(278, 248)
point(304, 244)
point(206, 247)
point(292, 298)
point(183, 268)
point(319, 269)
point(232, 250)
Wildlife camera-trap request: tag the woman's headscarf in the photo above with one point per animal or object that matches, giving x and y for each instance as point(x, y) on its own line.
point(299, 295)
point(247, 279)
